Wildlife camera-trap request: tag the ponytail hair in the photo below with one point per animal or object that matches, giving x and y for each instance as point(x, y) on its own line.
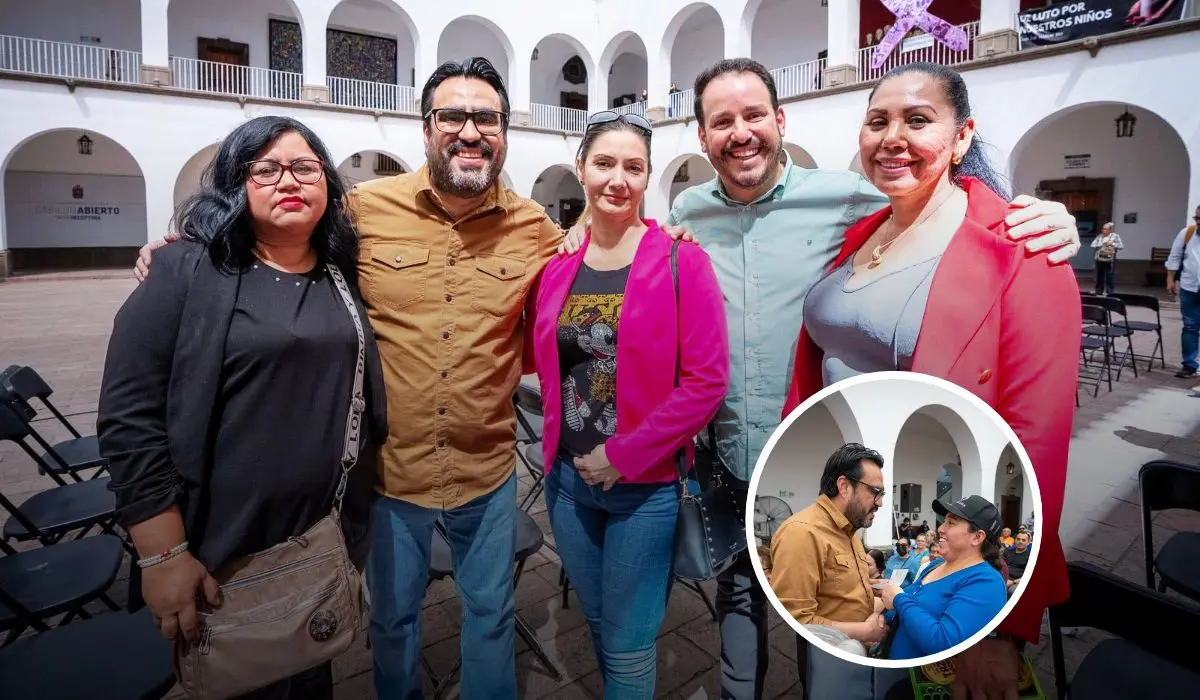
point(975, 163)
point(990, 549)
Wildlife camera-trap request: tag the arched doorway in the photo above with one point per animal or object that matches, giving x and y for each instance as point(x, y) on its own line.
point(788, 37)
point(560, 76)
point(558, 190)
point(73, 198)
point(1140, 183)
point(800, 156)
point(624, 62)
point(685, 171)
point(1013, 495)
point(371, 165)
point(374, 68)
point(187, 183)
point(471, 35)
point(936, 456)
point(694, 40)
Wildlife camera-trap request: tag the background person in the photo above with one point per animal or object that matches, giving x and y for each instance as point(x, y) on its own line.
point(953, 599)
point(1107, 244)
point(1183, 277)
point(605, 348)
point(1016, 558)
point(224, 419)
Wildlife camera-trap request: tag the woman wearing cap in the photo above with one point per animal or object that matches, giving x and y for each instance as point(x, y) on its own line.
point(610, 437)
point(953, 599)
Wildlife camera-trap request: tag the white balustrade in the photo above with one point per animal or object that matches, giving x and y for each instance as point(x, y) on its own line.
point(921, 47)
point(799, 78)
point(679, 104)
point(367, 94)
point(638, 108)
point(229, 79)
point(60, 59)
point(572, 121)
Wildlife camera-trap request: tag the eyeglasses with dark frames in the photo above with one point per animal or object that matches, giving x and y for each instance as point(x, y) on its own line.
point(269, 172)
point(876, 491)
point(608, 116)
point(450, 120)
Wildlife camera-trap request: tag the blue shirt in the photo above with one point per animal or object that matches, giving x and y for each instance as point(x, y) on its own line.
point(896, 562)
point(939, 615)
point(914, 565)
point(767, 254)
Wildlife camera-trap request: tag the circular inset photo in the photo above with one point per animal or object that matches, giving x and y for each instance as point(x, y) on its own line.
point(895, 517)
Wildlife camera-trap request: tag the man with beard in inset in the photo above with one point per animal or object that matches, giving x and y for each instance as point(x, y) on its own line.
point(820, 567)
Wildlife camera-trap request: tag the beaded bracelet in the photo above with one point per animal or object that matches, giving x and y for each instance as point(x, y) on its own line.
point(160, 558)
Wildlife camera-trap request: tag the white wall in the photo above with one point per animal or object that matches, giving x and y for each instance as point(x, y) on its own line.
point(380, 19)
point(117, 23)
point(793, 472)
point(234, 20)
point(923, 447)
point(42, 210)
point(464, 38)
point(58, 152)
point(787, 32)
point(1150, 169)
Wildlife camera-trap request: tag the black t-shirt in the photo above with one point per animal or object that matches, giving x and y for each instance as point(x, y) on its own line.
point(1017, 561)
point(587, 351)
point(280, 419)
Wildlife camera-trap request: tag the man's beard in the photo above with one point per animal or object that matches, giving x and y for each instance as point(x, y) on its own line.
point(751, 180)
point(860, 518)
point(463, 183)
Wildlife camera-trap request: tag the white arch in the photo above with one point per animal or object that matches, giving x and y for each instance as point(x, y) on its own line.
point(671, 33)
point(351, 175)
point(668, 173)
point(506, 44)
point(964, 440)
point(612, 49)
point(844, 416)
point(596, 83)
point(405, 19)
point(800, 155)
point(187, 180)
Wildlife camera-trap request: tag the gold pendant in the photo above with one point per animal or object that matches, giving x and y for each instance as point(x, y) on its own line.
point(876, 258)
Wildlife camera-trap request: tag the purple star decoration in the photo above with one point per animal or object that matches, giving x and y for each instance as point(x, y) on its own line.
point(915, 13)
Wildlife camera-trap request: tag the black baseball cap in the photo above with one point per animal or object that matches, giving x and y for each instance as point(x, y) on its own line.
point(976, 510)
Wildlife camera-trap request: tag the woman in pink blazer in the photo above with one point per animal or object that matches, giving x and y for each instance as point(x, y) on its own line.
point(606, 335)
point(931, 284)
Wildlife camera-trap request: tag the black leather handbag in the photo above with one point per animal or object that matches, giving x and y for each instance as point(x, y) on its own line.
point(710, 531)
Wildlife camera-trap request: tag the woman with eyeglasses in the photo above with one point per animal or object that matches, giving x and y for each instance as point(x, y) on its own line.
point(631, 367)
point(229, 376)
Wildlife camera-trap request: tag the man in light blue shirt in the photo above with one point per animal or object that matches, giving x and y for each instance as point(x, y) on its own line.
point(1184, 263)
point(772, 229)
point(898, 560)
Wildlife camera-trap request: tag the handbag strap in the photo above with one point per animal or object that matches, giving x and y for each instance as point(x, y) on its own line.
point(681, 456)
point(357, 403)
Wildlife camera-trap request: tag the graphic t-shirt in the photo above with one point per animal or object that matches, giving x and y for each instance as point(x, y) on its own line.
point(587, 351)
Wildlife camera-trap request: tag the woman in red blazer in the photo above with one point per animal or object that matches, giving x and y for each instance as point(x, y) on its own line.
point(931, 284)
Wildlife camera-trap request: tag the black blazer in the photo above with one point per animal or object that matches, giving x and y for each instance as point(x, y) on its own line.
point(161, 380)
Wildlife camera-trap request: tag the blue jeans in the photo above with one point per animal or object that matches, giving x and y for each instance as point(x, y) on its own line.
point(1189, 308)
point(616, 548)
point(482, 536)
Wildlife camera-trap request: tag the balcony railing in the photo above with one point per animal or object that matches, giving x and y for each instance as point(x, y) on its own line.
point(385, 97)
point(60, 59)
point(799, 78)
point(680, 104)
point(638, 108)
point(572, 121)
point(922, 47)
point(228, 79)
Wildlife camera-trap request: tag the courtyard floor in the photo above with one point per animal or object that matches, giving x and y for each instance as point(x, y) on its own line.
point(60, 323)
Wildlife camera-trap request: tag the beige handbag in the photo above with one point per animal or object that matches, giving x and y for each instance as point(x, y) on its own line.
point(288, 608)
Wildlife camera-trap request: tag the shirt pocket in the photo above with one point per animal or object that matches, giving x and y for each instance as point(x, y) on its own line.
point(497, 284)
point(398, 274)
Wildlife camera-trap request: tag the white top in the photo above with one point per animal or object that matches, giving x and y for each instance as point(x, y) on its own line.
point(1190, 258)
point(1114, 238)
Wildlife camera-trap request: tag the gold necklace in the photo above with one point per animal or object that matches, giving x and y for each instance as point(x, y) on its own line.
point(879, 250)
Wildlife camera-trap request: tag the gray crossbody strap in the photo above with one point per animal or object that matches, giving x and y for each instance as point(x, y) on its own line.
point(357, 403)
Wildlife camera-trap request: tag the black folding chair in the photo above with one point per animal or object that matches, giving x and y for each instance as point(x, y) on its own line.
point(1146, 660)
point(1094, 317)
point(528, 401)
point(50, 515)
point(1145, 301)
point(19, 386)
point(441, 565)
point(1165, 485)
point(61, 578)
point(1114, 330)
point(114, 656)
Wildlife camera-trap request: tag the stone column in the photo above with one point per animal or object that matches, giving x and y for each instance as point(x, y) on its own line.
point(997, 28)
point(314, 18)
point(519, 67)
point(156, 63)
point(658, 82)
point(841, 66)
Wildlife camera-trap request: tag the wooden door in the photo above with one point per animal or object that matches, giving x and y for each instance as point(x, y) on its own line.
point(1010, 512)
point(227, 53)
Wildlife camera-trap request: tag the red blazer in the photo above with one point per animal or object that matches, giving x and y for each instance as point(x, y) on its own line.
point(1003, 325)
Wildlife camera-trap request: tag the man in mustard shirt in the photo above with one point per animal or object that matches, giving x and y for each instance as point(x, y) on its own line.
point(820, 568)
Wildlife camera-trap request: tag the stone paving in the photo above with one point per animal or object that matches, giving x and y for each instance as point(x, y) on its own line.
point(59, 324)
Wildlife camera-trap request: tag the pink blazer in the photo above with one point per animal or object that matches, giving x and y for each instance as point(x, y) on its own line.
point(1004, 325)
point(654, 418)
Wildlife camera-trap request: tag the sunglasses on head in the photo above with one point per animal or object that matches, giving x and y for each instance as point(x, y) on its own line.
point(609, 116)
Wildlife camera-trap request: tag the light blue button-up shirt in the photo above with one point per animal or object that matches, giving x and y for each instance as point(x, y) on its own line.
point(767, 254)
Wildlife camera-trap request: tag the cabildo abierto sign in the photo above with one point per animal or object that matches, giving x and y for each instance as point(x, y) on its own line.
point(1082, 18)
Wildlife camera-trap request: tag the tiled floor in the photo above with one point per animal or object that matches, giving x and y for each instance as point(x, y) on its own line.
point(60, 324)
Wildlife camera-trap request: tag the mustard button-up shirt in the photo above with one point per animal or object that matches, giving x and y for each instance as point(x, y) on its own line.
point(820, 568)
point(445, 298)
